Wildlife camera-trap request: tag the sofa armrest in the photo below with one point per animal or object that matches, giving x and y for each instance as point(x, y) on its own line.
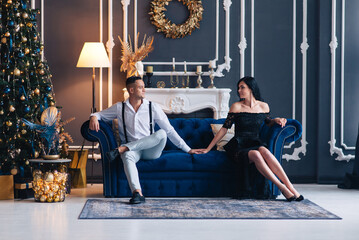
point(107, 141)
point(276, 136)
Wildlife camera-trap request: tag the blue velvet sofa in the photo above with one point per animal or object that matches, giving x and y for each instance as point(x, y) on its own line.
point(177, 173)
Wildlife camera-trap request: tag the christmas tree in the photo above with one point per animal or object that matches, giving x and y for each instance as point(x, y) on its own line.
point(25, 85)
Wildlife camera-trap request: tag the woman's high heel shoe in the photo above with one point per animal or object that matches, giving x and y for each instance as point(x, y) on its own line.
point(300, 198)
point(293, 198)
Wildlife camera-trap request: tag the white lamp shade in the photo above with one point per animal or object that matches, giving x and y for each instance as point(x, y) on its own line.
point(93, 54)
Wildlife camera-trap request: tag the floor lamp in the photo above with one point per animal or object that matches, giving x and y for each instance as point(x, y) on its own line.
point(93, 54)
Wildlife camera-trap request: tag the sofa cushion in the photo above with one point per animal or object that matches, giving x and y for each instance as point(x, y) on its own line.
point(179, 161)
point(229, 135)
point(197, 133)
point(170, 160)
point(213, 161)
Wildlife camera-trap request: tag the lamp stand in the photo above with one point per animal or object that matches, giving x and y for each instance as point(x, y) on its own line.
point(93, 109)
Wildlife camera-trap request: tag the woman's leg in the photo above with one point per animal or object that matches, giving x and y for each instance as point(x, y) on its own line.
point(277, 169)
point(256, 157)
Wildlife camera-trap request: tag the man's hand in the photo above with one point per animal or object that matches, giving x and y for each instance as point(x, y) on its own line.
point(122, 149)
point(94, 125)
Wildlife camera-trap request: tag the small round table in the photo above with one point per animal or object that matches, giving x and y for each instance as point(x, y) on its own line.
point(50, 183)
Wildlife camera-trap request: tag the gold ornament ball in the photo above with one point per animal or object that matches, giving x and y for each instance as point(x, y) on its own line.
point(9, 123)
point(9, 1)
point(13, 171)
point(42, 72)
point(27, 51)
point(52, 103)
point(55, 188)
point(36, 154)
point(27, 162)
point(35, 38)
point(50, 194)
point(3, 40)
point(37, 178)
point(7, 34)
point(43, 198)
point(17, 72)
point(56, 198)
point(46, 189)
point(36, 172)
point(11, 108)
point(17, 14)
point(1, 112)
point(29, 24)
point(37, 91)
point(23, 131)
point(22, 98)
point(25, 15)
point(24, 39)
point(37, 196)
point(49, 177)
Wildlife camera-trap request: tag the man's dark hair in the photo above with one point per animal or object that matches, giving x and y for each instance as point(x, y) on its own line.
point(132, 79)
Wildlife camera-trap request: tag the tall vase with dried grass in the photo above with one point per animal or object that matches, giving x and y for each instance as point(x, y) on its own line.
point(132, 57)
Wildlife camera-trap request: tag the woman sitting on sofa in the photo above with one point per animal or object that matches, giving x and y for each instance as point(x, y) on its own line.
point(246, 147)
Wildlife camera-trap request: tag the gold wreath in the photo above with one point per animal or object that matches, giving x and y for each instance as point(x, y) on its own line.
point(171, 30)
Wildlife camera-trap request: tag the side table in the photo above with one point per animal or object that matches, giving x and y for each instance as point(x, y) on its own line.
point(50, 180)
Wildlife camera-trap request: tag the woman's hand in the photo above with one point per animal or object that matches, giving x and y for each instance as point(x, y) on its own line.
point(203, 151)
point(280, 121)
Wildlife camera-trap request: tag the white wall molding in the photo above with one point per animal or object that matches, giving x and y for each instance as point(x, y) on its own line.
point(109, 45)
point(252, 38)
point(304, 48)
point(243, 43)
point(42, 9)
point(220, 68)
point(342, 80)
point(333, 46)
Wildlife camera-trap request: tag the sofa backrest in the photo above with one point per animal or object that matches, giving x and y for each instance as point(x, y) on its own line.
point(197, 133)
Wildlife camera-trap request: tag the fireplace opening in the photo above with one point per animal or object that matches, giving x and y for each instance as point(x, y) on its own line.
point(203, 113)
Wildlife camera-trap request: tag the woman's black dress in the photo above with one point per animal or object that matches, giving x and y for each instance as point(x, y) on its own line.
point(251, 184)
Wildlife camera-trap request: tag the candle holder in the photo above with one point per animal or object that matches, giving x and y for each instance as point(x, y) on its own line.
point(211, 76)
point(185, 80)
point(199, 80)
point(174, 82)
point(149, 83)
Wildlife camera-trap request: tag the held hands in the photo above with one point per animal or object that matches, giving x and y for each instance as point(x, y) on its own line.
point(194, 151)
point(198, 151)
point(94, 124)
point(280, 121)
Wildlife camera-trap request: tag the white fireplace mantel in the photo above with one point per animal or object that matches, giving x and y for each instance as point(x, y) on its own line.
point(187, 100)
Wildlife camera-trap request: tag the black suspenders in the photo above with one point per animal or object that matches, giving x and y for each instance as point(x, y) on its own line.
point(124, 124)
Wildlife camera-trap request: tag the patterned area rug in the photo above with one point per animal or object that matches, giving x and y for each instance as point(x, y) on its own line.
point(203, 209)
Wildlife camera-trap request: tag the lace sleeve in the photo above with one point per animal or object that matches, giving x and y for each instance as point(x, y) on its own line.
point(268, 119)
point(229, 121)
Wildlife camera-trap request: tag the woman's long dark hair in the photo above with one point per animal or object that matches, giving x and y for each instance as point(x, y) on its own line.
point(252, 84)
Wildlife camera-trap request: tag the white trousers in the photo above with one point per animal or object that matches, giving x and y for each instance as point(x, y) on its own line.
point(147, 148)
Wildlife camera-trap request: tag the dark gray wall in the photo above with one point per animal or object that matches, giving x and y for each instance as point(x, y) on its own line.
point(71, 23)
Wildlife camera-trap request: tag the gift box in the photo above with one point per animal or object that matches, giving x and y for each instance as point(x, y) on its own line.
point(77, 168)
point(23, 190)
point(6, 187)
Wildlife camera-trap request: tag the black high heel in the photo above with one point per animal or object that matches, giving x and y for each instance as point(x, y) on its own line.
point(293, 198)
point(300, 198)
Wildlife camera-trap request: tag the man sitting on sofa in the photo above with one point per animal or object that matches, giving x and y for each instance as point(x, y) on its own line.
point(136, 119)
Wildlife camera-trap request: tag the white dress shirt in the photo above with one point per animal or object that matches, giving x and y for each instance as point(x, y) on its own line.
point(138, 123)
